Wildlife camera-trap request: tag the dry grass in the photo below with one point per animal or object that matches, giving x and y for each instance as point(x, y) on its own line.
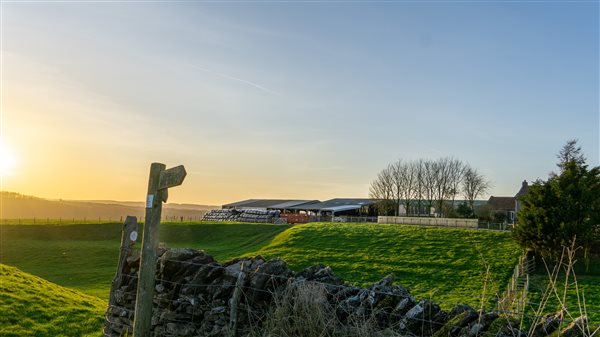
point(302, 310)
point(573, 317)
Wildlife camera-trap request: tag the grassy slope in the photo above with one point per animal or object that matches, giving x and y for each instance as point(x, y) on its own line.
point(588, 287)
point(32, 306)
point(424, 258)
point(84, 257)
point(446, 262)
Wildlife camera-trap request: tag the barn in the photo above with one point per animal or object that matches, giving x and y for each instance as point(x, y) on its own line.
point(281, 205)
point(338, 209)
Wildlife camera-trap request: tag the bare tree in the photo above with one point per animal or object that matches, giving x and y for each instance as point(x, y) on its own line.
point(425, 181)
point(474, 185)
point(429, 183)
point(404, 183)
point(409, 178)
point(419, 191)
point(382, 188)
point(396, 171)
point(456, 171)
point(441, 168)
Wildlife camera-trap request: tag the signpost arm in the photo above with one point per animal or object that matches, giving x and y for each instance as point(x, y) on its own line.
point(145, 289)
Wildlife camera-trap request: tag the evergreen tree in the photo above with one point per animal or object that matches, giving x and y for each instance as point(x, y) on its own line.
point(565, 207)
point(570, 152)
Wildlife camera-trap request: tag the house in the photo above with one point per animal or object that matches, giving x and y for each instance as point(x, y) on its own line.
point(522, 191)
point(504, 209)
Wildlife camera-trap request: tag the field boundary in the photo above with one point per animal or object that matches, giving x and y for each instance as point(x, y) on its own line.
point(198, 296)
point(425, 221)
point(515, 296)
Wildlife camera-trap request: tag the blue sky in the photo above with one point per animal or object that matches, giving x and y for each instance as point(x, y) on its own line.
point(291, 100)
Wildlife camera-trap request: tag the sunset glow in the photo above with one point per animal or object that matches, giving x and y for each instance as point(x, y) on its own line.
point(293, 101)
point(7, 160)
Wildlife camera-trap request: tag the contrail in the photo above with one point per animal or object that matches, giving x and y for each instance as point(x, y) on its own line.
point(256, 85)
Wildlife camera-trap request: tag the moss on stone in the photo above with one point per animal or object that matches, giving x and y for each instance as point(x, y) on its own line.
point(447, 328)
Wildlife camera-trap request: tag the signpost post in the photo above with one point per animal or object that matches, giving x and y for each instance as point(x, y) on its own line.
point(158, 183)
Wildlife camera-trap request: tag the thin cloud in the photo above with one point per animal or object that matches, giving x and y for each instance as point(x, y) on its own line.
point(233, 78)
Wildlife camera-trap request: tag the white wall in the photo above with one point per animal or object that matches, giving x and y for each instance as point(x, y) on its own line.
point(423, 221)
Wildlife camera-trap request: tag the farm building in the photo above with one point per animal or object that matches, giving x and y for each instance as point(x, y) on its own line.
point(282, 205)
point(339, 206)
point(333, 207)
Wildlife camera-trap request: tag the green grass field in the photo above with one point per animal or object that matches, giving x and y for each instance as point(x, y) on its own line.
point(588, 288)
point(446, 264)
point(84, 256)
point(60, 221)
point(32, 306)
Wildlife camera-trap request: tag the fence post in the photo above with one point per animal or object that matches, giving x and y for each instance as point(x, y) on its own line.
point(158, 183)
point(128, 238)
point(235, 301)
point(145, 289)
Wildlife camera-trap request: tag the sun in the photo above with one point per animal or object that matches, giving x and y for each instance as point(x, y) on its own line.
point(7, 160)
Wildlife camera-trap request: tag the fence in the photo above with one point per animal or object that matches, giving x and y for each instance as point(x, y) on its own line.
point(515, 296)
point(294, 217)
point(90, 220)
point(344, 218)
point(341, 218)
point(495, 226)
point(440, 222)
point(197, 296)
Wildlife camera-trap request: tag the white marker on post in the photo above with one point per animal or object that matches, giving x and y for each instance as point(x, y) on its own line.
point(149, 200)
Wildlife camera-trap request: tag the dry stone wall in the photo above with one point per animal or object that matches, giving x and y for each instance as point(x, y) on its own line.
point(198, 296)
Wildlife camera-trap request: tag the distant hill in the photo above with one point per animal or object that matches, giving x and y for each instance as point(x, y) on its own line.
point(19, 206)
point(32, 306)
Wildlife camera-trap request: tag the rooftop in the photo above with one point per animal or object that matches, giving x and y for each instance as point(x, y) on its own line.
point(337, 204)
point(268, 203)
point(502, 203)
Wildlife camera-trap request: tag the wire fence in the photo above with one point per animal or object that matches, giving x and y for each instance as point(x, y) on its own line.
point(90, 220)
point(197, 296)
point(78, 220)
point(346, 283)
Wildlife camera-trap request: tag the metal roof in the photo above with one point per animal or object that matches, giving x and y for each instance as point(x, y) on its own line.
point(268, 203)
point(293, 203)
point(338, 202)
point(341, 208)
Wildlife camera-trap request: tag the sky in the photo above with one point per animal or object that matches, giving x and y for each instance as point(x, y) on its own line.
point(291, 100)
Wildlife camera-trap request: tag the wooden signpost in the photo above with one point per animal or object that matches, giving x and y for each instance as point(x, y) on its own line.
point(159, 182)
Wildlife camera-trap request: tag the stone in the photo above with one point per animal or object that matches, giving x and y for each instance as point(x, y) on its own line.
point(385, 282)
point(404, 306)
point(481, 324)
point(548, 324)
point(193, 296)
point(423, 319)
